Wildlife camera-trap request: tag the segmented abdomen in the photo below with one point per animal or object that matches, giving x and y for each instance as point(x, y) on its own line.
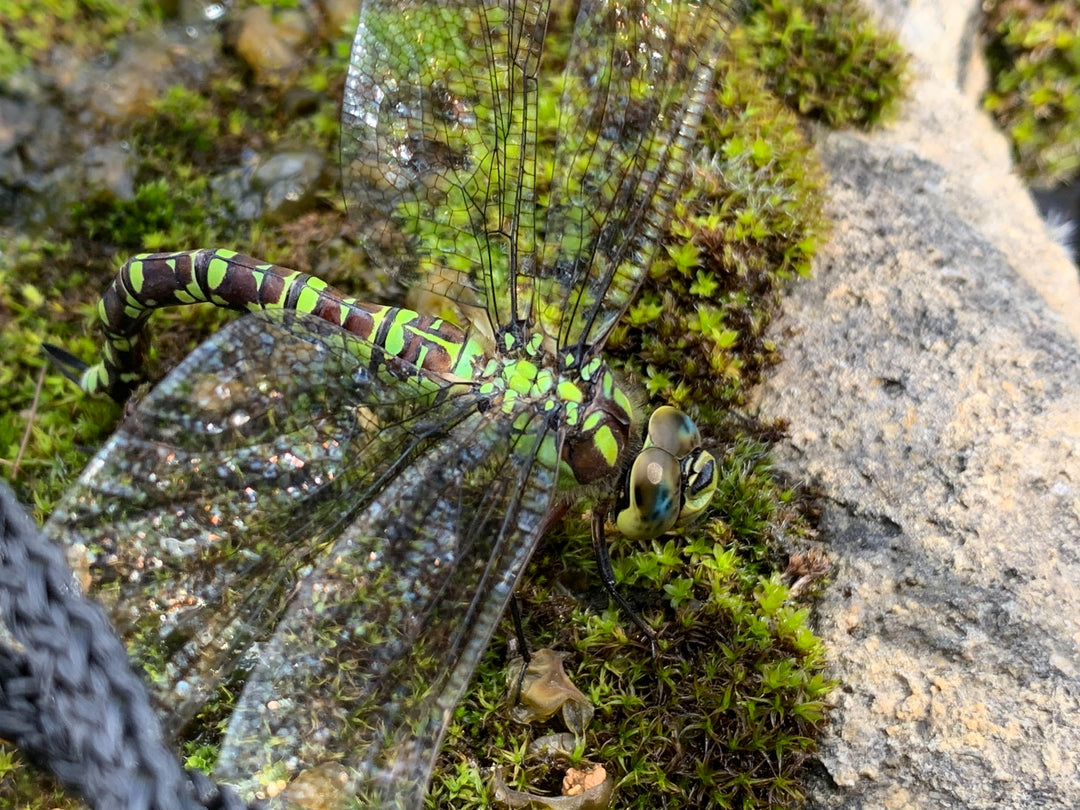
point(229, 279)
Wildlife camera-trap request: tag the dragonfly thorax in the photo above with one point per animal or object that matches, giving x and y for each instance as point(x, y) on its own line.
point(591, 415)
point(598, 425)
point(669, 480)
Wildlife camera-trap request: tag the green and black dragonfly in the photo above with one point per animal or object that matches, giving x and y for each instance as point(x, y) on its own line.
point(340, 497)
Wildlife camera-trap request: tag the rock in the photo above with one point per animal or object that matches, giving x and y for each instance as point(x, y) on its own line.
point(109, 173)
point(943, 123)
point(129, 88)
point(932, 387)
point(234, 188)
point(340, 14)
point(17, 121)
point(289, 183)
point(276, 189)
point(269, 43)
point(196, 13)
point(44, 151)
point(31, 137)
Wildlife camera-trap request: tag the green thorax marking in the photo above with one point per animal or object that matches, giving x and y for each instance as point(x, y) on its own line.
point(597, 419)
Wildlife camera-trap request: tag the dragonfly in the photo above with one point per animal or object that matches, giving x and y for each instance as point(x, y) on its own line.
point(337, 498)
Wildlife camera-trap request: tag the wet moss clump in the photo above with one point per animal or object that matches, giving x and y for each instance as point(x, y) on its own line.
point(825, 59)
point(1033, 50)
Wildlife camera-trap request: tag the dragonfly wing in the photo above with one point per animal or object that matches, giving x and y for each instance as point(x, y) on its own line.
point(382, 639)
point(450, 122)
point(636, 82)
point(438, 143)
point(194, 522)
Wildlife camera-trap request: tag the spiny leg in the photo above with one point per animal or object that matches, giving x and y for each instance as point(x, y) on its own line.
point(607, 576)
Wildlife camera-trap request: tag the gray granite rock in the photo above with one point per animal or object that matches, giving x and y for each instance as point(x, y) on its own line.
point(932, 386)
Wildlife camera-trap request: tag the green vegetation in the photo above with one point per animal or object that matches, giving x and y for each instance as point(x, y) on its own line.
point(825, 60)
point(739, 675)
point(46, 432)
point(751, 221)
point(28, 31)
point(1033, 49)
point(730, 712)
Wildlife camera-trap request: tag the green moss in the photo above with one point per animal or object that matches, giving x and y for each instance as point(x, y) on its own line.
point(727, 714)
point(752, 219)
point(18, 780)
point(190, 118)
point(45, 433)
point(28, 31)
point(1033, 48)
point(160, 211)
point(825, 59)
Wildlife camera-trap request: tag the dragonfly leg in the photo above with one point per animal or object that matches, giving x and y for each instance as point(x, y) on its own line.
point(607, 576)
point(554, 516)
point(523, 645)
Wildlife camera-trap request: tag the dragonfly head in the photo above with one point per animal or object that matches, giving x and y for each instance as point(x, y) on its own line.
point(670, 481)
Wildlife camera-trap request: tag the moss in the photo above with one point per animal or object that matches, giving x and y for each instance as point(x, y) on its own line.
point(29, 31)
point(825, 59)
point(738, 673)
point(50, 284)
point(46, 433)
point(1033, 48)
point(17, 781)
point(729, 711)
point(752, 219)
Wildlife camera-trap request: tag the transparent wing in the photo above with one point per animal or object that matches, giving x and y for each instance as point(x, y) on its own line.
point(439, 136)
point(364, 672)
point(349, 532)
point(635, 85)
point(195, 523)
point(521, 161)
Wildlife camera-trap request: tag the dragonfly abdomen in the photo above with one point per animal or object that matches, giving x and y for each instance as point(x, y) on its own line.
point(231, 280)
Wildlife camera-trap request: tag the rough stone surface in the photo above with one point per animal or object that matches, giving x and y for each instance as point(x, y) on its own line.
point(943, 124)
point(932, 386)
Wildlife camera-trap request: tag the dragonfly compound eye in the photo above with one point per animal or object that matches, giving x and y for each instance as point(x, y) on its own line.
point(699, 480)
point(674, 431)
point(649, 504)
